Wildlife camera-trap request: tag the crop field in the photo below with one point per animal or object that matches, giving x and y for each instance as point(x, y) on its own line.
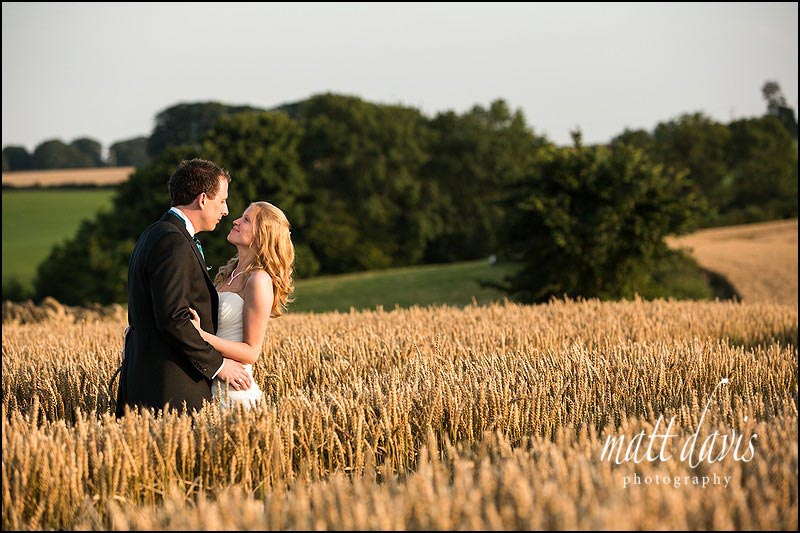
point(760, 260)
point(68, 176)
point(571, 414)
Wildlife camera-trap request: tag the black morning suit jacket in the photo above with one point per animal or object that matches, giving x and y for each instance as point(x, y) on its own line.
point(166, 361)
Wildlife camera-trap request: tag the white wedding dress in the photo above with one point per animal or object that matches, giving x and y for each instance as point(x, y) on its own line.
point(231, 327)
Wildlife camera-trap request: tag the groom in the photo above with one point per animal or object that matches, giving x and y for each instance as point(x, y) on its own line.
point(166, 362)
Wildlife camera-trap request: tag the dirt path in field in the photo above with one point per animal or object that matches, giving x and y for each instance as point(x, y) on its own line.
point(759, 260)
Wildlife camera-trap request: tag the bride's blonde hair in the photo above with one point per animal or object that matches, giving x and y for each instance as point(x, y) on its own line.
point(273, 253)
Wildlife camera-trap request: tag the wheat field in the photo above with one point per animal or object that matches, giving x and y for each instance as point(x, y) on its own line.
point(425, 418)
point(68, 176)
point(759, 260)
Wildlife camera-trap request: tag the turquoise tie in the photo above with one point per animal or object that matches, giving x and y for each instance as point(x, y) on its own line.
point(199, 247)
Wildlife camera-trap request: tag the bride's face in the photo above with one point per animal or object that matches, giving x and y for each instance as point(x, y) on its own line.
point(242, 231)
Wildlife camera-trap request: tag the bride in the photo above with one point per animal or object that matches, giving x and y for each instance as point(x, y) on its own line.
point(253, 286)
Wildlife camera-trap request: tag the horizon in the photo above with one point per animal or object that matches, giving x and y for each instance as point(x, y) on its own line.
point(427, 115)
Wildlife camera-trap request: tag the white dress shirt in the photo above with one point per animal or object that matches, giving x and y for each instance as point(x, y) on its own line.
point(182, 216)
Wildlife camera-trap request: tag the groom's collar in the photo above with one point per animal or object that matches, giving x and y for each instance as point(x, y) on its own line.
point(178, 213)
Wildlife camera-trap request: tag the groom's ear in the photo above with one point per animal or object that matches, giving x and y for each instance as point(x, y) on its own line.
point(201, 200)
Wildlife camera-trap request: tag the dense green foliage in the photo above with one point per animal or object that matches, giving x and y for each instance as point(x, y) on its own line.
point(260, 150)
point(186, 124)
point(762, 158)
point(80, 153)
point(53, 154)
point(368, 202)
point(778, 108)
point(355, 179)
point(472, 158)
point(129, 153)
point(746, 170)
point(16, 158)
point(369, 186)
point(591, 222)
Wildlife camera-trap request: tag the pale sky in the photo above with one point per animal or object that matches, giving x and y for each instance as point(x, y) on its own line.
point(105, 70)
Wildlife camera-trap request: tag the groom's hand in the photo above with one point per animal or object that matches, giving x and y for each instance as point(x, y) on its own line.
point(234, 373)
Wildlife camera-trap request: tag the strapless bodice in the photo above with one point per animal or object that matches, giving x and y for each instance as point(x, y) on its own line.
point(231, 327)
point(231, 322)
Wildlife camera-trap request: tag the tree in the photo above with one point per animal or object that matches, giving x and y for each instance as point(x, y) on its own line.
point(640, 139)
point(80, 153)
point(55, 154)
point(16, 158)
point(187, 124)
point(591, 221)
point(697, 143)
point(762, 157)
point(92, 266)
point(260, 152)
point(131, 152)
point(777, 107)
point(90, 151)
point(472, 158)
point(363, 162)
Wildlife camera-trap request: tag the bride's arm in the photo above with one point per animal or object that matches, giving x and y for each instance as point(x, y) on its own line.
point(257, 308)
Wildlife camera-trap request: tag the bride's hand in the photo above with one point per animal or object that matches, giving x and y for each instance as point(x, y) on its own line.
point(195, 320)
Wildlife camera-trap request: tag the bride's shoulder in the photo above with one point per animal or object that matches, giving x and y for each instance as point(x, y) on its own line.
point(259, 280)
point(258, 288)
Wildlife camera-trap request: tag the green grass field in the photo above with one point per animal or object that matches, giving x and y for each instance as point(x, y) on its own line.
point(35, 220)
point(458, 284)
point(452, 284)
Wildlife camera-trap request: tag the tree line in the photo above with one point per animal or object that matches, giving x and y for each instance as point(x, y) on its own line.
point(80, 153)
point(183, 123)
point(370, 186)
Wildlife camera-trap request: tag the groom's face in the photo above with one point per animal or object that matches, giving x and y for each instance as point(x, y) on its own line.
point(217, 207)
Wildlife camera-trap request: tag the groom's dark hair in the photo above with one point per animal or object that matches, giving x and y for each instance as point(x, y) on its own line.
point(192, 177)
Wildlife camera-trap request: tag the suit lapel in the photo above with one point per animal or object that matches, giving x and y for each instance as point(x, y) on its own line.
point(172, 218)
point(212, 290)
